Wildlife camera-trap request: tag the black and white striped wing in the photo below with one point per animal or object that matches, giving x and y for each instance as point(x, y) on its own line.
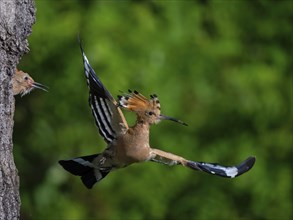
point(108, 117)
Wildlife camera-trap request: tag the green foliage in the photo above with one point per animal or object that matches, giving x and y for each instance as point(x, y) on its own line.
point(224, 67)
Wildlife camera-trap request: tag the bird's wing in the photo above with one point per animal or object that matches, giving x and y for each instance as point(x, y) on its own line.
point(108, 117)
point(211, 168)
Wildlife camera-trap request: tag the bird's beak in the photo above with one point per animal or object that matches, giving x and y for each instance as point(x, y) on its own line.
point(164, 117)
point(40, 86)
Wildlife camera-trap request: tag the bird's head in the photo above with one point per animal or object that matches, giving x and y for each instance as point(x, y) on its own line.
point(23, 83)
point(147, 110)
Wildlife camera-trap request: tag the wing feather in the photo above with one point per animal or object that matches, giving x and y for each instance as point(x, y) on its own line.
point(108, 117)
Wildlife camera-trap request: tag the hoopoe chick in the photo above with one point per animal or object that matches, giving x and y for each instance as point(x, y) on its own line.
point(23, 84)
point(129, 145)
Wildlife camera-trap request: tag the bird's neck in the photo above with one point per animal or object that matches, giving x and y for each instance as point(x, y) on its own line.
point(142, 124)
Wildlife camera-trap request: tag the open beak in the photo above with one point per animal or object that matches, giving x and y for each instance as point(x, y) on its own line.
point(40, 86)
point(164, 117)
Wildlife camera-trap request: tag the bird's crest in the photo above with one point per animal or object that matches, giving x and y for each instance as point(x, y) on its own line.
point(134, 101)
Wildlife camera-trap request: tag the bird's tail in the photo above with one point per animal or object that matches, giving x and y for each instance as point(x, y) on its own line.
point(224, 171)
point(84, 167)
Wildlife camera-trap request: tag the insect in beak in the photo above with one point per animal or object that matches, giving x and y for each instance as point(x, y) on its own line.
point(164, 117)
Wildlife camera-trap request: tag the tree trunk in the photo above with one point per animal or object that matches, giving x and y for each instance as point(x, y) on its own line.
point(16, 20)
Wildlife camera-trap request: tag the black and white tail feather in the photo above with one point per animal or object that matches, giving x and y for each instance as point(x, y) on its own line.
point(85, 168)
point(224, 171)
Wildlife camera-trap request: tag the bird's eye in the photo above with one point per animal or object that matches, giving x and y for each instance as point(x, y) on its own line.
point(26, 78)
point(150, 113)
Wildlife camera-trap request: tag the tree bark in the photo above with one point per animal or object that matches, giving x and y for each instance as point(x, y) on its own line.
point(16, 20)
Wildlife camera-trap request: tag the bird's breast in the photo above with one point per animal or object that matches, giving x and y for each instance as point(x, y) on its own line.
point(132, 148)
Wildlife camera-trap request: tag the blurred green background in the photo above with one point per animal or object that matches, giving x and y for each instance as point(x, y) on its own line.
point(224, 67)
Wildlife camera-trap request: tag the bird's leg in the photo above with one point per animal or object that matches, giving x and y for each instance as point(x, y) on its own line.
point(211, 168)
point(166, 158)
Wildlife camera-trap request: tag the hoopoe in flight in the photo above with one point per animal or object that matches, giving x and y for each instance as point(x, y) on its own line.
point(128, 145)
point(23, 84)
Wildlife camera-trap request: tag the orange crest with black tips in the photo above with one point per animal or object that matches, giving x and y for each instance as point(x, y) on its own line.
point(134, 101)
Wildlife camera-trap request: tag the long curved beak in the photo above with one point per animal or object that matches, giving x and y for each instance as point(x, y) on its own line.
point(164, 117)
point(40, 86)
